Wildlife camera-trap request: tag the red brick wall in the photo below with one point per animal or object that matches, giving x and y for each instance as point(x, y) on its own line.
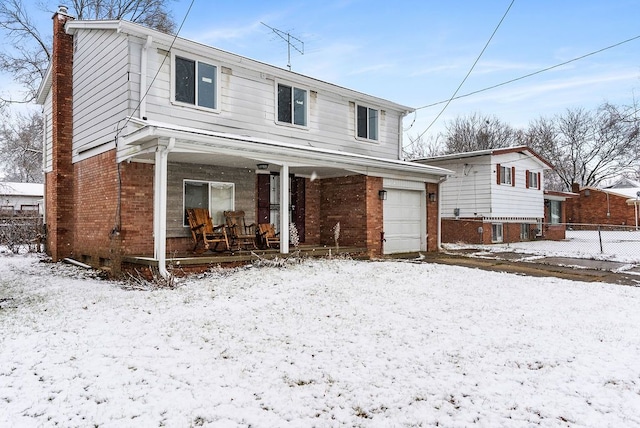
point(465, 231)
point(353, 202)
point(137, 208)
point(105, 230)
point(59, 182)
point(432, 217)
point(592, 209)
point(374, 219)
point(312, 212)
point(343, 200)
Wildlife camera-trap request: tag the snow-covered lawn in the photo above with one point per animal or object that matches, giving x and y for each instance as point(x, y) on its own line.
point(323, 343)
point(620, 246)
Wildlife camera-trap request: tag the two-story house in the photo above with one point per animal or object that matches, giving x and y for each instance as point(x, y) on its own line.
point(141, 125)
point(494, 195)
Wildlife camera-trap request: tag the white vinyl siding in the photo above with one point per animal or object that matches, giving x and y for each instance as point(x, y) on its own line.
point(474, 188)
point(247, 101)
point(100, 84)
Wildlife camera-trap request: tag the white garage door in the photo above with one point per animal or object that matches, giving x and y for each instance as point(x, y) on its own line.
point(403, 221)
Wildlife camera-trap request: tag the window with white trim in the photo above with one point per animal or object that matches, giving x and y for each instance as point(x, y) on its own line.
point(215, 196)
point(367, 123)
point(532, 180)
point(292, 105)
point(554, 212)
point(496, 232)
point(505, 175)
point(195, 83)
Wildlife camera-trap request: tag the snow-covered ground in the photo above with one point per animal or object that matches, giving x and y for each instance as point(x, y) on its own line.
point(619, 246)
point(322, 343)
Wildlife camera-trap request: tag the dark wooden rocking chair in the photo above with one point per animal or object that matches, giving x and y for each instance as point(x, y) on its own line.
point(203, 230)
point(241, 234)
point(268, 235)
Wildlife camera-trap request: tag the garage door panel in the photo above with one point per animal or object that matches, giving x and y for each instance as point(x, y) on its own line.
point(403, 221)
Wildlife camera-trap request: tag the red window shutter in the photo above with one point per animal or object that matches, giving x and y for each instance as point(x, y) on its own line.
point(539, 184)
point(498, 173)
point(264, 193)
point(513, 175)
point(526, 178)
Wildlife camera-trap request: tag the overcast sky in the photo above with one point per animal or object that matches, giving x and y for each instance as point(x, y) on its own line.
point(417, 53)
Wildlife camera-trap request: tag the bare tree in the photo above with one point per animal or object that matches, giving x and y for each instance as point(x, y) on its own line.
point(25, 54)
point(478, 132)
point(21, 148)
point(588, 147)
point(420, 147)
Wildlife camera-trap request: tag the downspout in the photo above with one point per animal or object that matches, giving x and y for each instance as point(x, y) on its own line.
point(160, 207)
point(284, 209)
point(143, 77)
point(439, 239)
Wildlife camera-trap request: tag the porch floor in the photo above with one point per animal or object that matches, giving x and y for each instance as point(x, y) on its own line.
point(238, 257)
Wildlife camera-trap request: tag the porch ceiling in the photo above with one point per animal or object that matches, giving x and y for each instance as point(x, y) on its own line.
point(199, 146)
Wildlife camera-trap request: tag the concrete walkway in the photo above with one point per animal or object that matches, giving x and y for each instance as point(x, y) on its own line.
point(531, 265)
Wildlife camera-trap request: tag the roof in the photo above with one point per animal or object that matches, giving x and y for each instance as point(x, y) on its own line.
point(554, 195)
point(489, 152)
point(21, 189)
point(194, 140)
point(628, 192)
point(169, 41)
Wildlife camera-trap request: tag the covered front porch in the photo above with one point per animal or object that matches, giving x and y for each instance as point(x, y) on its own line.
point(326, 188)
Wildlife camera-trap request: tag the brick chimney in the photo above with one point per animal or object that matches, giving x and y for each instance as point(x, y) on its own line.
point(59, 182)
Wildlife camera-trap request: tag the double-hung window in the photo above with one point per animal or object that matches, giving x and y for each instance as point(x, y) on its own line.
point(366, 123)
point(292, 105)
point(217, 197)
point(533, 180)
point(196, 83)
point(496, 233)
point(505, 175)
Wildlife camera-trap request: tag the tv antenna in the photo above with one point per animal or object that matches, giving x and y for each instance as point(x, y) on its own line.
point(292, 41)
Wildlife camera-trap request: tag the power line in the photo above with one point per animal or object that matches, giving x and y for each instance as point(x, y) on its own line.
point(470, 70)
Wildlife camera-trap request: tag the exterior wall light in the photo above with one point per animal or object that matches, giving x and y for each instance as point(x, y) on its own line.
point(382, 195)
point(433, 197)
point(262, 166)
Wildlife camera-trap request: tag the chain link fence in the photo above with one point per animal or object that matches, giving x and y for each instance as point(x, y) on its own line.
point(24, 232)
point(586, 241)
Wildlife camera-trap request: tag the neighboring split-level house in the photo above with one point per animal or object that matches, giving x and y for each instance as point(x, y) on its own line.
point(494, 195)
point(140, 126)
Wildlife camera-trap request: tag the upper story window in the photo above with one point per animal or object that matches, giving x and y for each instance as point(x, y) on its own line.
point(292, 105)
point(506, 175)
point(367, 123)
point(196, 83)
point(533, 180)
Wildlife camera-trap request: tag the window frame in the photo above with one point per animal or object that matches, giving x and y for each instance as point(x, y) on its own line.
point(174, 76)
point(533, 180)
point(557, 204)
point(294, 87)
point(368, 125)
point(210, 184)
point(497, 237)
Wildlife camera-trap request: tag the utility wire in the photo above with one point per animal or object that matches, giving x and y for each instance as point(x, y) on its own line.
point(532, 74)
point(470, 70)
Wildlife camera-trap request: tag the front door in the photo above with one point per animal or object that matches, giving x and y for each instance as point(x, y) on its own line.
point(269, 201)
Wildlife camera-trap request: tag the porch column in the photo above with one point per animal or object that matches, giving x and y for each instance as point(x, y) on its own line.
point(284, 209)
point(160, 206)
